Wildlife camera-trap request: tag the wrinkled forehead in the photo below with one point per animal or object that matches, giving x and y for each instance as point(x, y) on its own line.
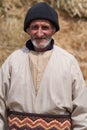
point(41, 22)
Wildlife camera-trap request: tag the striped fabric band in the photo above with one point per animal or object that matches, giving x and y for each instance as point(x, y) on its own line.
point(25, 121)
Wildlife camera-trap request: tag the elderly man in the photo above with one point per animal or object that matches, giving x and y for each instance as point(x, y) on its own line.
point(41, 85)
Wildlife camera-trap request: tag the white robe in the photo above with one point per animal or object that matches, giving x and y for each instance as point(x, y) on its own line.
point(62, 88)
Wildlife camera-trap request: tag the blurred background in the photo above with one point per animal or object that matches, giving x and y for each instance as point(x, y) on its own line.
point(73, 27)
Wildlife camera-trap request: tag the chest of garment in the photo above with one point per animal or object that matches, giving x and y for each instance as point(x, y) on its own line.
point(54, 94)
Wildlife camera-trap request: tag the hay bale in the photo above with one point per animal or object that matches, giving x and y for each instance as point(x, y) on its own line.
point(74, 7)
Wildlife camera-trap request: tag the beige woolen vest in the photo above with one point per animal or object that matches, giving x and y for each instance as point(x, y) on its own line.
point(38, 62)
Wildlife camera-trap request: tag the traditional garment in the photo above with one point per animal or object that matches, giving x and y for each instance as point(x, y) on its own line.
point(62, 88)
point(38, 62)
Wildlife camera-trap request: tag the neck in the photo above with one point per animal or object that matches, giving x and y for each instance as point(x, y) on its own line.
point(41, 49)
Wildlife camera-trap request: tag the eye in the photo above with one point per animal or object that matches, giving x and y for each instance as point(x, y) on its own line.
point(45, 27)
point(34, 27)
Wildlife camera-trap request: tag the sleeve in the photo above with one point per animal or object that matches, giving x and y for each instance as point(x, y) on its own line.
point(4, 84)
point(79, 97)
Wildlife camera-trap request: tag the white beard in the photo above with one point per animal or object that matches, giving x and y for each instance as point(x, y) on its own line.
point(41, 47)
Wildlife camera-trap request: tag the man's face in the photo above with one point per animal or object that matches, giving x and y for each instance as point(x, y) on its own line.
point(41, 32)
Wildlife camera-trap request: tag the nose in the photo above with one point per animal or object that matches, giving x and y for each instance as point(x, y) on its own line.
point(39, 32)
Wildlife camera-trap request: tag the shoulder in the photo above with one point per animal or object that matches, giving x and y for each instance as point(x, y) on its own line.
point(17, 56)
point(62, 52)
point(65, 55)
point(20, 52)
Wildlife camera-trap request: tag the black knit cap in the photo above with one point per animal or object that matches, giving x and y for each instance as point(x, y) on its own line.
point(41, 10)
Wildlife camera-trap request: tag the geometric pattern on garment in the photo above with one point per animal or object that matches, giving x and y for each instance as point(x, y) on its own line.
point(24, 121)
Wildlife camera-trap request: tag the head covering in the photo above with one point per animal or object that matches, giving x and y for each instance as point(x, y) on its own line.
point(41, 10)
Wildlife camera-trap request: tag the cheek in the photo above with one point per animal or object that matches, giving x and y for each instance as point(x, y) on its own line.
point(32, 34)
point(49, 33)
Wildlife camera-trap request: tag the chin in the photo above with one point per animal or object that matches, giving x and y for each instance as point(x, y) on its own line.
point(41, 46)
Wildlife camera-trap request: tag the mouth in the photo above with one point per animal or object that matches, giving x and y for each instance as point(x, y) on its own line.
point(40, 42)
point(39, 39)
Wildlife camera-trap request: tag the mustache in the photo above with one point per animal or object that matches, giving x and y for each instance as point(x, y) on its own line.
point(39, 38)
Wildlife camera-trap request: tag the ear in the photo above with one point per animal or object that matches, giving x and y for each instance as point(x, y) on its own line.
point(27, 30)
point(54, 30)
